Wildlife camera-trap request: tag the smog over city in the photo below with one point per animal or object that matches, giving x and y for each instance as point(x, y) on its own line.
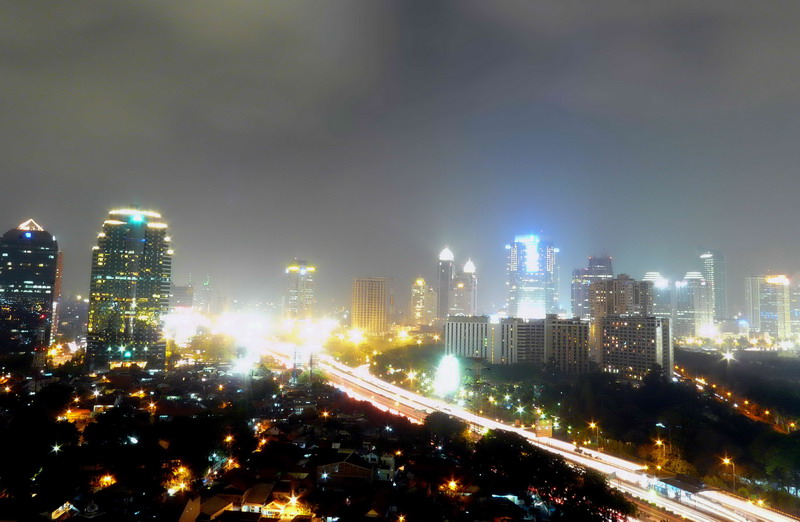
point(399, 260)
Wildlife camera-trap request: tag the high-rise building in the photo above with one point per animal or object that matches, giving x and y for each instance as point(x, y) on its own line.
point(632, 345)
point(769, 305)
point(444, 282)
point(30, 287)
point(619, 296)
point(532, 284)
point(370, 308)
point(423, 303)
point(464, 292)
point(712, 267)
point(299, 301)
point(129, 291)
point(478, 338)
point(694, 312)
point(662, 295)
point(181, 297)
point(563, 343)
point(598, 269)
point(208, 299)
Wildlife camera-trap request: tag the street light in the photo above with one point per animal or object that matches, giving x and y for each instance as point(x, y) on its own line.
point(728, 462)
point(660, 444)
point(593, 425)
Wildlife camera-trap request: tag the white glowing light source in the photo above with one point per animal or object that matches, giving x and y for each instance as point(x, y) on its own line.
point(448, 376)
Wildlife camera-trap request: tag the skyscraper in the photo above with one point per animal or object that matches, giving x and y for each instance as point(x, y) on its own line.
point(632, 345)
point(444, 282)
point(423, 303)
point(129, 291)
point(532, 284)
point(621, 296)
point(662, 295)
point(769, 305)
point(30, 285)
point(464, 291)
point(694, 313)
point(599, 268)
point(370, 305)
point(299, 301)
point(712, 266)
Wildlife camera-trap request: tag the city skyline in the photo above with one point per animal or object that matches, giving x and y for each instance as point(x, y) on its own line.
point(540, 109)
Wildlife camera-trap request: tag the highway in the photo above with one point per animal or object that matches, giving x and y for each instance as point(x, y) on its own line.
point(627, 476)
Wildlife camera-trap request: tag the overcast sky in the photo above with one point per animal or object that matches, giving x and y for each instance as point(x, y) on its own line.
point(365, 135)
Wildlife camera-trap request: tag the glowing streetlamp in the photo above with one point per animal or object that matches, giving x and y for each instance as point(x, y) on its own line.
point(593, 425)
point(728, 462)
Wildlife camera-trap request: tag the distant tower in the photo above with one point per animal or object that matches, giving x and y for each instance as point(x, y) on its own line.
point(464, 292)
point(712, 266)
point(423, 303)
point(769, 305)
point(299, 300)
point(532, 284)
point(444, 282)
point(30, 287)
point(662, 295)
point(370, 306)
point(694, 310)
point(599, 268)
point(129, 292)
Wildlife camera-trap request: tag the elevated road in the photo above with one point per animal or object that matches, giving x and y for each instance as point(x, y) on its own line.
point(627, 476)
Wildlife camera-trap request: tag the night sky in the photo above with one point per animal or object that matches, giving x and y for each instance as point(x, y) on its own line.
point(363, 136)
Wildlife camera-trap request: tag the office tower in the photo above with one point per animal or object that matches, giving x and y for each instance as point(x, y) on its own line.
point(208, 299)
point(562, 343)
point(444, 282)
point(632, 345)
point(370, 309)
point(30, 287)
point(129, 291)
point(299, 302)
point(464, 292)
point(478, 338)
point(619, 296)
point(181, 297)
point(532, 284)
point(694, 312)
point(423, 303)
point(662, 295)
point(712, 267)
point(769, 305)
point(599, 269)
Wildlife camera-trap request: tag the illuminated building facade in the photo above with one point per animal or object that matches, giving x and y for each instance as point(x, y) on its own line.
point(299, 301)
point(662, 295)
point(423, 303)
point(598, 269)
point(694, 307)
point(769, 305)
point(712, 267)
point(562, 343)
point(464, 291)
point(621, 295)
point(30, 287)
point(632, 345)
point(532, 284)
point(444, 282)
point(370, 305)
point(478, 338)
point(129, 291)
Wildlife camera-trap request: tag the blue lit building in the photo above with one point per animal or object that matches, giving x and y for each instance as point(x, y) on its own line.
point(532, 284)
point(30, 280)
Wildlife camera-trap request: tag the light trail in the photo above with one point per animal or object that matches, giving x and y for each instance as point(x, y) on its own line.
point(627, 476)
